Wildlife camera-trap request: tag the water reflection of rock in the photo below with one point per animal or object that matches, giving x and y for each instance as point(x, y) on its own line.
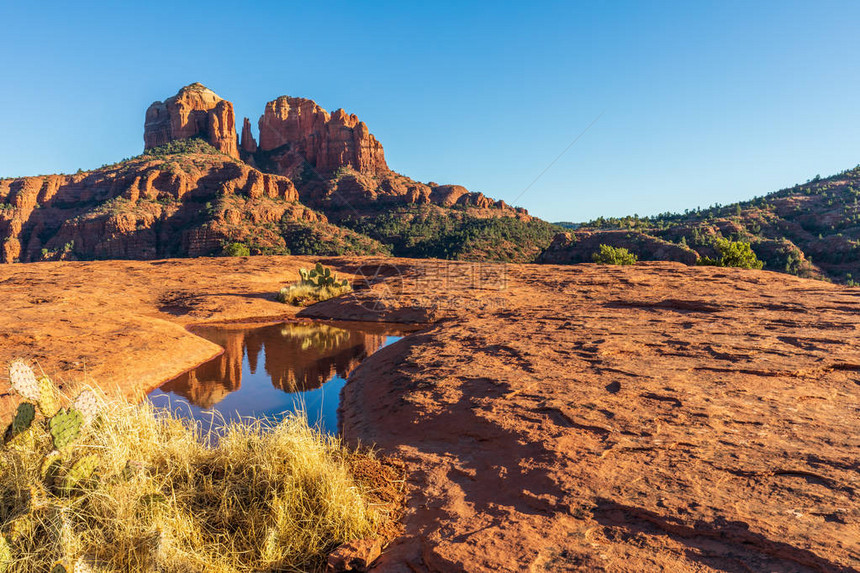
point(298, 357)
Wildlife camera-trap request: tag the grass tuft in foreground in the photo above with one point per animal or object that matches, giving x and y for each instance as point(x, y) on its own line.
point(265, 498)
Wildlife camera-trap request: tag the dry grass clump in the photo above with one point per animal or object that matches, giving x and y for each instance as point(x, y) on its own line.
point(300, 294)
point(264, 498)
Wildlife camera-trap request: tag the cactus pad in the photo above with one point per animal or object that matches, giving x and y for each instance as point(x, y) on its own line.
point(152, 502)
point(49, 402)
point(65, 427)
point(87, 405)
point(51, 468)
point(80, 472)
point(38, 497)
point(22, 421)
point(5, 554)
point(24, 380)
point(59, 568)
point(131, 469)
point(21, 527)
point(82, 566)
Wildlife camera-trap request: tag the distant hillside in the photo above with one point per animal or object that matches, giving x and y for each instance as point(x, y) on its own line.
point(809, 230)
point(316, 183)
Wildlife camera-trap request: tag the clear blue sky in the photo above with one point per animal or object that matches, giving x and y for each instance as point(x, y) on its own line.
point(702, 102)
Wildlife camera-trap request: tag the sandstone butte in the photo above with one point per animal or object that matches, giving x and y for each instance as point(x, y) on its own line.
point(158, 206)
point(194, 111)
point(657, 417)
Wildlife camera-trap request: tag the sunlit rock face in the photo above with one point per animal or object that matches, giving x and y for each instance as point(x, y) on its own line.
point(326, 141)
point(196, 111)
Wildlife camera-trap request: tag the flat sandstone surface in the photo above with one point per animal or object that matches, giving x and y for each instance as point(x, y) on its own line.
point(655, 417)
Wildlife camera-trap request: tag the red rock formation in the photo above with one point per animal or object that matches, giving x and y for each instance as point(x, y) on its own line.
point(326, 141)
point(248, 143)
point(579, 246)
point(194, 111)
point(143, 210)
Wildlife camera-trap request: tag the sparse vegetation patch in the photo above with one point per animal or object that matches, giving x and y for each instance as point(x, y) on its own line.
point(733, 254)
point(110, 486)
point(608, 255)
point(315, 285)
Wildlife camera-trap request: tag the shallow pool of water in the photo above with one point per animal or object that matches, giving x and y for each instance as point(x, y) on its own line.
point(269, 371)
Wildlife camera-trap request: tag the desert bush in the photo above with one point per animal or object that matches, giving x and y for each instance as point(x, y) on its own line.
point(733, 254)
point(608, 255)
point(237, 250)
point(182, 147)
point(138, 489)
point(314, 285)
point(424, 231)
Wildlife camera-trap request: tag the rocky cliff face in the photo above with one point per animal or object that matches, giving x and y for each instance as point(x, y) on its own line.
point(248, 143)
point(147, 208)
point(187, 199)
point(326, 141)
point(196, 111)
point(297, 138)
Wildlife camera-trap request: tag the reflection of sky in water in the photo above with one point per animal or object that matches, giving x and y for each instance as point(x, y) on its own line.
point(317, 359)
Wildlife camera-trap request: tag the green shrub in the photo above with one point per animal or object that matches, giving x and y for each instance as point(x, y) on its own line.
point(237, 250)
point(737, 254)
point(187, 146)
point(426, 231)
point(608, 255)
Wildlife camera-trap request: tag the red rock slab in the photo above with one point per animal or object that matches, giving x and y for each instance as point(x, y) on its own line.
point(645, 418)
point(648, 418)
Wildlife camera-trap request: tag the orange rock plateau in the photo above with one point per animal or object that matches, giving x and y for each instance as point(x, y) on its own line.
point(657, 417)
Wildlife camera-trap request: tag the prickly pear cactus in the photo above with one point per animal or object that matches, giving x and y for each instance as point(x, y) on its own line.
point(65, 427)
point(59, 568)
point(87, 405)
point(22, 421)
point(153, 501)
point(5, 554)
point(49, 401)
point(132, 468)
point(80, 472)
point(24, 380)
point(38, 497)
point(83, 566)
point(21, 527)
point(51, 468)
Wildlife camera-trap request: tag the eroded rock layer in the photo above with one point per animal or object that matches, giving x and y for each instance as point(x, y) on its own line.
point(326, 141)
point(196, 191)
point(144, 209)
point(196, 111)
